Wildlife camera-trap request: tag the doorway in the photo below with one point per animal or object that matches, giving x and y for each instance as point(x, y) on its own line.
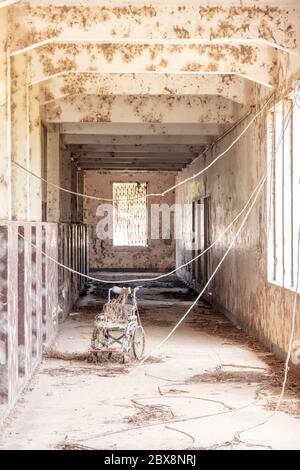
point(201, 268)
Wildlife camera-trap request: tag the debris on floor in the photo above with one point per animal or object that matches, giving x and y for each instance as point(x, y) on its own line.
point(206, 384)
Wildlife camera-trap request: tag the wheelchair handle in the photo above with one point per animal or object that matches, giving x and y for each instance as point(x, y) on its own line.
point(118, 290)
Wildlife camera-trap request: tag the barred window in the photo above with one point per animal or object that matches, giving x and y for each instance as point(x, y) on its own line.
point(130, 214)
point(283, 193)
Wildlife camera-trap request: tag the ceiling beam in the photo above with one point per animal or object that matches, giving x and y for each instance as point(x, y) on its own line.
point(132, 156)
point(231, 87)
point(256, 63)
point(148, 109)
point(139, 166)
point(134, 162)
point(157, 165)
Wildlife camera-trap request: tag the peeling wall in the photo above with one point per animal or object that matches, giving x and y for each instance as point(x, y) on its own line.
point(61, 171)
point(256, 62)
point(160, 108)
point(35, 295)
point(232, 87)
point(68, 203)
point(122, 62)
point(160, 254)
point(240, 286)
point(35, 23)
point(20, 136)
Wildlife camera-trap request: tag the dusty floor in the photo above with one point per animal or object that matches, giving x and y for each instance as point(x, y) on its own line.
point(206, 385)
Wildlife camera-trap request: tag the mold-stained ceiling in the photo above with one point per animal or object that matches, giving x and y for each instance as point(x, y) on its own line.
point(139, 75)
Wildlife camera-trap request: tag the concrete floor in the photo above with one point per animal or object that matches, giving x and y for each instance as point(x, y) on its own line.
point(208, 383)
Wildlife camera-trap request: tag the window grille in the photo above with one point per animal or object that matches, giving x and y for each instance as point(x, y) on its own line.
point(283, 213)
point(130, 214)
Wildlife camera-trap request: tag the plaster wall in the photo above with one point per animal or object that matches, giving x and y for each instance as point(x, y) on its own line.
point(5, 206)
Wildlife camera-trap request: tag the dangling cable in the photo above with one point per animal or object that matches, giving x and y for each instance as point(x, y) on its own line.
point(156, 278)
point(88, 196)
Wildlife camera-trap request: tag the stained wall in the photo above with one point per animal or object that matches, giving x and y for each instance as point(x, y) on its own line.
point(240, 287)
point(35, 295)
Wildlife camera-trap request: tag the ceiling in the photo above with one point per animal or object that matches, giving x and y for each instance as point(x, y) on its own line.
point(151, 87)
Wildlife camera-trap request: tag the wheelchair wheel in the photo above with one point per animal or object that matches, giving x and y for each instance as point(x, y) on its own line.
point(138, 342)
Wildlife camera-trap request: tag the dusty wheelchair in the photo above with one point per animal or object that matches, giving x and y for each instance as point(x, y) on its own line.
point(118, 327)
